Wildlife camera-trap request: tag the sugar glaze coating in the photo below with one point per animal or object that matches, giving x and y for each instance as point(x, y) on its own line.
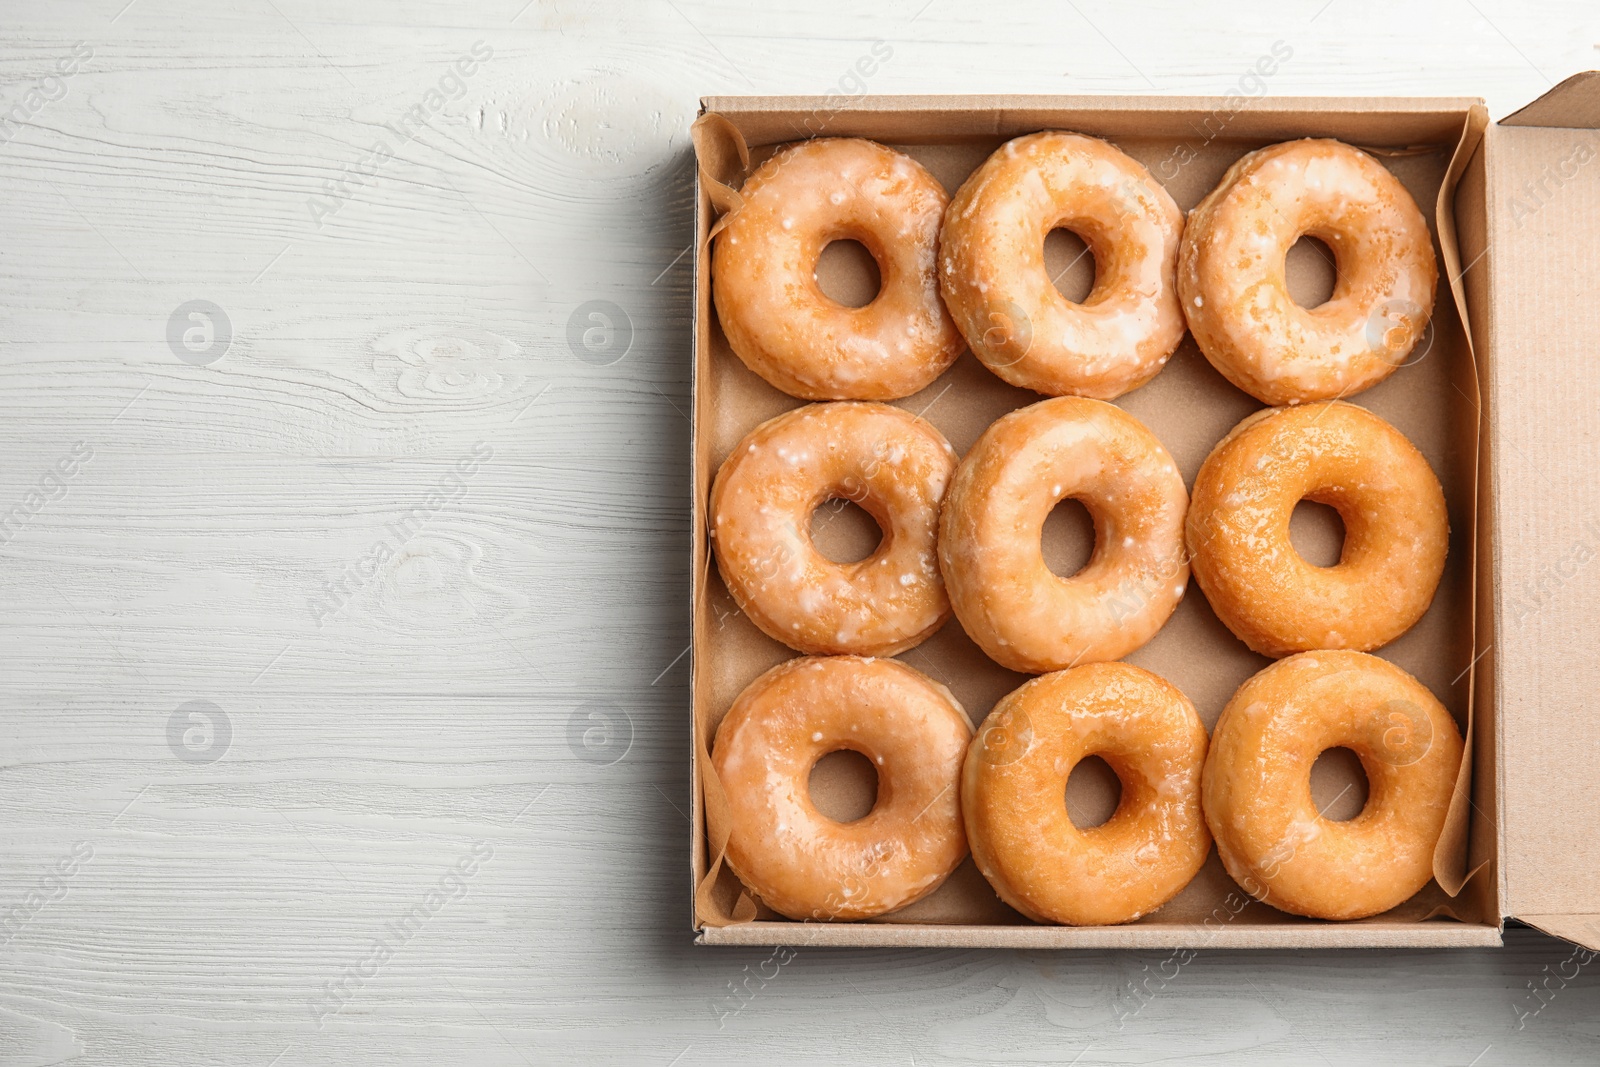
point(763, 273)
point(1231, 273)
point(1002, 298)
point(797, 860)
point(1014, 788)
point(1257, 788)
point(895, 466)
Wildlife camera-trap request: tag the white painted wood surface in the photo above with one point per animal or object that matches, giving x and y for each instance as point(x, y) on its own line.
point(503, 697)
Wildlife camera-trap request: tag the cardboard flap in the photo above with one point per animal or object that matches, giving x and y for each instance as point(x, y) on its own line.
point(1543, 278)
point(1579, 929)
point(1574, 104)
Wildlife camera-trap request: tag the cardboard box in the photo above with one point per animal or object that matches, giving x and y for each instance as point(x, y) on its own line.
point(1502, 396)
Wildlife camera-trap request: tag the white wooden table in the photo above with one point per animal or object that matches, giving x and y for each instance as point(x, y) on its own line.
point(343, 703)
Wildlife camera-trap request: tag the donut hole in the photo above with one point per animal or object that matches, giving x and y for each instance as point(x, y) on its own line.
point(1310, 272)
point(1093, 793)
point(1067, 540)
point(844, 785)
point(1317, 533)
point(1339, 785)
point(848, 274)
point(844, 532)
point(1069, 261)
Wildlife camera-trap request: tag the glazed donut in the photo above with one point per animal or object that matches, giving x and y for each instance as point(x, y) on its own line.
point(1010, 602)
point(1396, 530)
point(896, 467)
point(763, 273)
point(991, 267)
point(1257, 787)
point(1013, 795)
point(1231, 272)
point(804, 864)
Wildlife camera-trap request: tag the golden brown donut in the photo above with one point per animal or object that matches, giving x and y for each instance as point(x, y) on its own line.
point(1257, 789)
point(1020, 612)
point(895, 466)
point(763, 273)
point(1003, 300)
point(1231, 272)
point(1013, 795)
point(804, 864)
point(1393, 509)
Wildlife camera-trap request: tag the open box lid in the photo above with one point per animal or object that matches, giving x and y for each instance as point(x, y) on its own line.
point(1542, 192)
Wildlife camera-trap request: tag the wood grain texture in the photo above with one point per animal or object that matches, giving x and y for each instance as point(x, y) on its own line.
point(475, 750)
